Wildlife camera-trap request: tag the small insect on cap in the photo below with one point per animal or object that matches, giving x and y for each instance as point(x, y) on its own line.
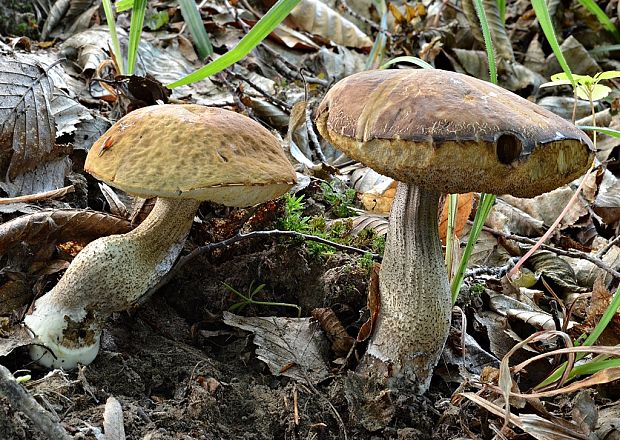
point(452, 133)
point(192, 152)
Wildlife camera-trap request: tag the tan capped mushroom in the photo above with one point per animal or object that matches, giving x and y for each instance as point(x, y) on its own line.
point(181, 154)
point(438, 132)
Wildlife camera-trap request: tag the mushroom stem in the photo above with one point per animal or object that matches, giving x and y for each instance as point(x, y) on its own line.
point(415, 294)
point(108, 275)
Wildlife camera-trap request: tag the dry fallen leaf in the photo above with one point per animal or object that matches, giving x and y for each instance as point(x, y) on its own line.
point(59, 226)
point(374, 305)
point(294, 343)
point(27, 131)
point(316, 17)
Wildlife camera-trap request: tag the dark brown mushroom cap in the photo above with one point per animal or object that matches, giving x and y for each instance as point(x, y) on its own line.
point(452, 133)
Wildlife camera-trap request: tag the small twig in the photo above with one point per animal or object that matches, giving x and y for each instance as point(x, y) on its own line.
point(608, 246)
point(60, 192)
point(555, 224)
point(231, 88)
point(283, 105)
point(249, 7)
point(314, 140)
point(360, 17)
point(233, 11)
point(21, 400)
point(573, 253)
point(497, 272)
point(281, 63)
point(244, 236)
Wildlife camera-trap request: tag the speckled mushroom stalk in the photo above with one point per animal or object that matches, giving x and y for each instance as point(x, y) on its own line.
point(412, 268)
point(108, 275)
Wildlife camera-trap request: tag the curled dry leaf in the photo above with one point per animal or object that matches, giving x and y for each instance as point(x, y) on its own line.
point(607, 202)
point(557, 271)
point(17, 336)
point(59, 226)
point(587, 272)
point(374, 305)
point(577, 57)
point(334, 330)
point(501, 42)
point(316, 17)
point(547, 207)
point(377, 191)
point(507, 218)
point(538, 320)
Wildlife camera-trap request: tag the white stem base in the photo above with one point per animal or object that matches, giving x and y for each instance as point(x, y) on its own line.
point(107, 276)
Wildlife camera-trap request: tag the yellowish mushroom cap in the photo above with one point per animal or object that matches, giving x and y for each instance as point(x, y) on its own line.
point(192, 152)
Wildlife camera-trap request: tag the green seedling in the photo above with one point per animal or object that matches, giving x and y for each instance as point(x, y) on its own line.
point(293, 219)
point(248, 299)
point(586, 87)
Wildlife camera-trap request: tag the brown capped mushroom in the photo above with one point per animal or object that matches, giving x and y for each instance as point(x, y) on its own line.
point(181, 154)
point(438, 132)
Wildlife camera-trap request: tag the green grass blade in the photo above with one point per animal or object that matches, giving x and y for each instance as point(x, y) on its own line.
point(377, 52)
point(407, 59)
point(486, 200)
point(488, 43)
point(258, 33)
point(135, 33)
point(604, 130)
point(605, 49)
point(610, 312)
point(116, 46)
point(542, 13)
point(596, 10)
point(501, 7)
point(452, 210)
point(123, 5)
point(484, 207)
point(193, 19)
point(593, 367)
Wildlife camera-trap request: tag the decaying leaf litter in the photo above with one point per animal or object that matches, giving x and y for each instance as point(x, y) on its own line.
point(180, 364)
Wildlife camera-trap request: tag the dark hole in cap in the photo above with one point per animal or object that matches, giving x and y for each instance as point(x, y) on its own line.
point(508, 148)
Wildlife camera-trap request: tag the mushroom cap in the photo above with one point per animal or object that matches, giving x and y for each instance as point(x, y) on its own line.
point(192, 152)
point(452, 133)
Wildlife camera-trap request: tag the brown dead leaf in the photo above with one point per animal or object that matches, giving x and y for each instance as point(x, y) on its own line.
point(27, 131)
point(464, 207)
point(374, 305)
point(335, 332)
point(316, 17)
point(18, 336)
point(15, 292)
point(59, 226)
point(601, 297)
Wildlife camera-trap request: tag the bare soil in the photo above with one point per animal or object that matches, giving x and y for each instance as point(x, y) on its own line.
point(180, 373)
